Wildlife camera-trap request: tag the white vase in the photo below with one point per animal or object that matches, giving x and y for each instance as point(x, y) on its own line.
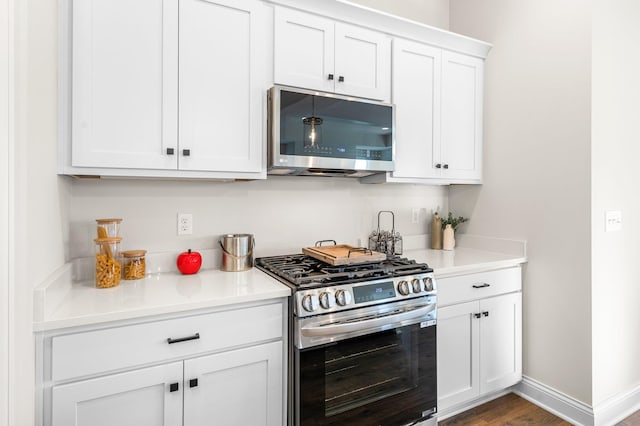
point(448, 238)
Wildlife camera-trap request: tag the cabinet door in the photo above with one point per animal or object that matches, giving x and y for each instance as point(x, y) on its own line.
point(501, 342)
point(416, 95)
point(458, 354)
point(124, 87)
point(222, 62)
point(136, 398)
point(462, 92)
point(363, 62)
point(303, 50)
point(240, 387)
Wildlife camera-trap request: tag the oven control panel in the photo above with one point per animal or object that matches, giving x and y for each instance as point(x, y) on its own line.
point(337, 298)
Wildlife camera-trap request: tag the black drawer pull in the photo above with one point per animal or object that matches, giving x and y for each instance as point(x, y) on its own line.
point(173, 387)
point(438, 166)
point(193, 383)
point(485, 313)
point(483, 285)
point(446, 166)
point(330, 77)
point(477, 315)
point(186, 152)
point(170, 151)
point(341, 79)
point(183, 339)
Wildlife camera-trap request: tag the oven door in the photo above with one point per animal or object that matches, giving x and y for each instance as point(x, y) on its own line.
point(383, 377)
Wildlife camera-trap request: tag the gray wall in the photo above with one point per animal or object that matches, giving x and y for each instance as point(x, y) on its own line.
point(537, 172)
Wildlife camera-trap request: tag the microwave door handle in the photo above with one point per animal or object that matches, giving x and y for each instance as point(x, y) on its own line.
point(337, 329)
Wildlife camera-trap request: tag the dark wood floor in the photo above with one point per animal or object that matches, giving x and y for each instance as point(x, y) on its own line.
point(515, 411)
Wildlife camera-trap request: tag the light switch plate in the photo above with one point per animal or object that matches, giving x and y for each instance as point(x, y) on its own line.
point(613, 221)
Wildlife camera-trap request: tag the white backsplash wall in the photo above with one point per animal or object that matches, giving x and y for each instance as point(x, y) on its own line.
point(284, 213)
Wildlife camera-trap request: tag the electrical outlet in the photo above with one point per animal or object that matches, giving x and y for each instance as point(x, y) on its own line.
point(415, 215)
point(613, 221)
point(185, 224)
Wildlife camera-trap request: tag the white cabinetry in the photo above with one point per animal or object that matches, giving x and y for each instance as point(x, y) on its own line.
point(479, 335)
point(134, 398)
point(461, 132)
point(416, 95)
point(438, 126)
point(227, 365)
point(315, 52)
point(166, 88)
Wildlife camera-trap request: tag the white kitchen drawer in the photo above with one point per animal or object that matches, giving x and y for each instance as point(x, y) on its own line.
point(105, 350)
point(465, 288)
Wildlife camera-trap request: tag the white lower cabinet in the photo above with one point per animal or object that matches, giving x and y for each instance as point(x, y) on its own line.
point(135, 398)
point(226, 375)
point(479, 341)
point(242, 387)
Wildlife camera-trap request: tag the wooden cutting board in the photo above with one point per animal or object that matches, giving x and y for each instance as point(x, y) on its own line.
point(344, 254)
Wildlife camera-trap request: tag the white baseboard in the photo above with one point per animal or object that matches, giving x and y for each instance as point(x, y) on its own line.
point(607, 413)
point(615, 409)
point(563, 406)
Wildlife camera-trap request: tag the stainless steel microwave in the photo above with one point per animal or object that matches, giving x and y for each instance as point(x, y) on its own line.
point(323, 134)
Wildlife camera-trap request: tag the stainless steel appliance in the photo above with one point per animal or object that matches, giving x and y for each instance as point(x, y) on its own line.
point(363, 341)
point(323, 134)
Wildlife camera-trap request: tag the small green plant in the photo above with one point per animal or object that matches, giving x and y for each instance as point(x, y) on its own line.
point(453, 221)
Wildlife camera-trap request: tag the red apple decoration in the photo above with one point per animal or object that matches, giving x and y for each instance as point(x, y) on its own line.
point(189, 262)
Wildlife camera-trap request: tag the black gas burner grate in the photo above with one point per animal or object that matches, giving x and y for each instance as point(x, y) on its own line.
point(304, 271)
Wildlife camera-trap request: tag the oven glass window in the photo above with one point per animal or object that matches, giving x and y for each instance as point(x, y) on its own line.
point(386, 378)
point(322, 126)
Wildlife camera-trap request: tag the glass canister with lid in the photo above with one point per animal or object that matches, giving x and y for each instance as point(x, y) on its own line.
point(134, 264)
point(108, 228)
point(108, 267)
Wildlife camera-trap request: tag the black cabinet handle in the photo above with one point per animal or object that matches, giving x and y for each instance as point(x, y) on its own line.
point(483, 285)
point(170, 151)
point(186, 152)
point(183, 339)
point(485, 313)
point(438, 166)
point(173, 387)
point(477, 315)
point(193, 383)
point(330, 77)
point(341, 79)
point(446, 166)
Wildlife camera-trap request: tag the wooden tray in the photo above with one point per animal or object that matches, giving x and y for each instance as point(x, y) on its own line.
point(344, 254)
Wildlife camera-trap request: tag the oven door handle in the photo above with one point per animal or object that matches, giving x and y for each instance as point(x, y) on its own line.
point(350, 327)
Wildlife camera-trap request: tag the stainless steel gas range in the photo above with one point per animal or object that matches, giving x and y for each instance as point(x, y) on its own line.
point(363, 341)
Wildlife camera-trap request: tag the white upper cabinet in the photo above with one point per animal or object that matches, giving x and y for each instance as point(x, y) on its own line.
point(220, 97)
point(416, 95)
point(125, 86)
point(169, 88)
point(317, 53)
point(438, 127)
point(461, 138)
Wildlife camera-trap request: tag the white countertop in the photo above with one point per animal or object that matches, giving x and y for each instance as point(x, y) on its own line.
point(61, 304)
point(463, 260)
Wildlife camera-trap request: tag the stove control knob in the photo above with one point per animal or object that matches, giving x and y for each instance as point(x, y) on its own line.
point(343, 297)
point(310, 302)
point(403, 288)
point(428, 284)
point(416, 286)
point(327, 300)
